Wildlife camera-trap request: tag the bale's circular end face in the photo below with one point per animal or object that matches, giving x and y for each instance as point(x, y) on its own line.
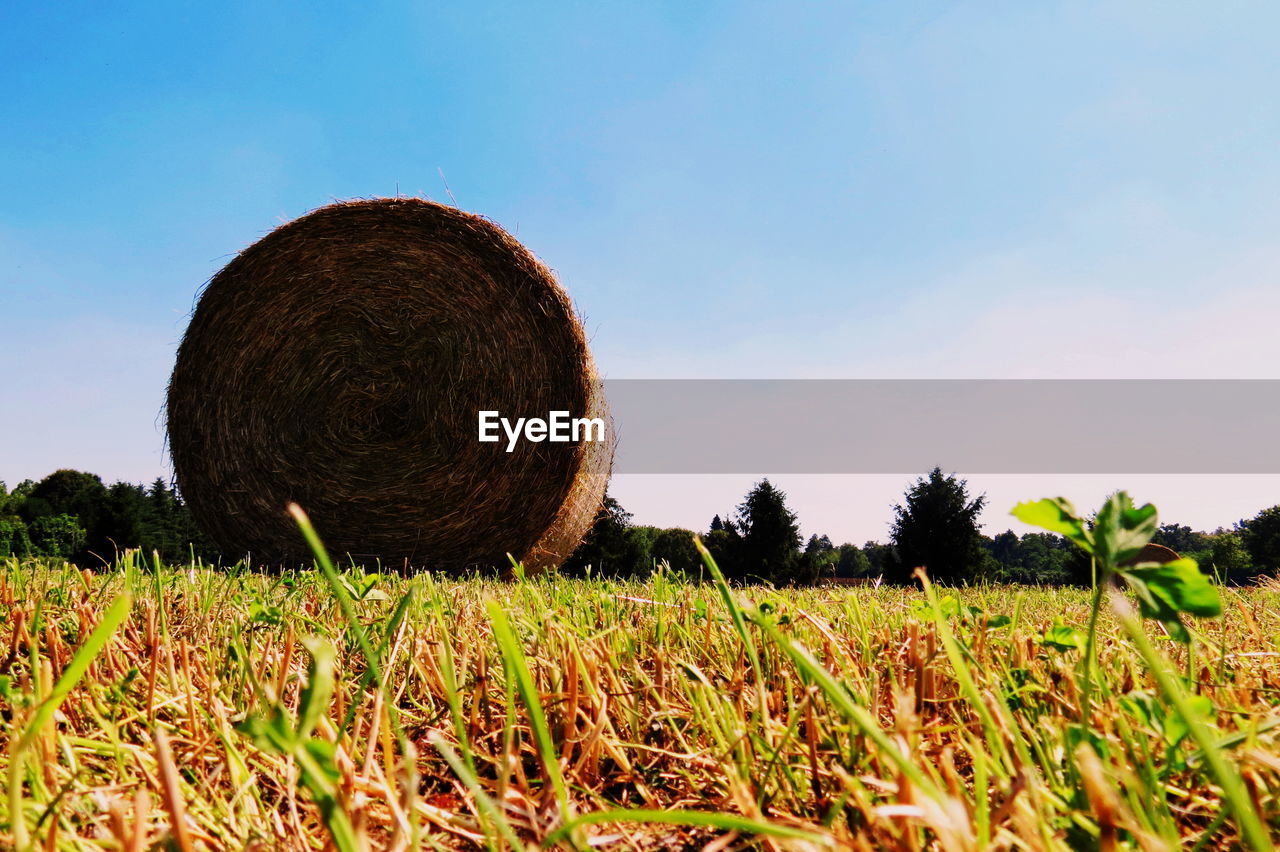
point(341, 363)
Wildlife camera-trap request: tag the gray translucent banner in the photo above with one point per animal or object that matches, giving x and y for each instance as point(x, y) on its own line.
point(980, 426)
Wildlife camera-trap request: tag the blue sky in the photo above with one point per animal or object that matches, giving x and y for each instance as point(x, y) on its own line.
point(888, 189)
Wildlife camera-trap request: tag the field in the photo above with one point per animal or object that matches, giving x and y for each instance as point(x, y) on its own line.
point(214, 709)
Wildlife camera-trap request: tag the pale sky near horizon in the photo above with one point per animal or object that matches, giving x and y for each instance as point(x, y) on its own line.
point(727, 189)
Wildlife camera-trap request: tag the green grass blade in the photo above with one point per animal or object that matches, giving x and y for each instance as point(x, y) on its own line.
point(735, 611)
point(960, 668)
point(373, 659)
point(484, 802)
point(347, 605)
point(701, 819)
point(1237, 798)
point(518, 667)
point(71, 675)
point(75, 670)
point(850, 709)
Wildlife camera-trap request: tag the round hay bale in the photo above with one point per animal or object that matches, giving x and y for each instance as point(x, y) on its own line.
point(1157, 553)
point(341, 361)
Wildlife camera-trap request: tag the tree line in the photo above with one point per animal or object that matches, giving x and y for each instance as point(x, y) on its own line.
point(935, 525)
point(73, 515)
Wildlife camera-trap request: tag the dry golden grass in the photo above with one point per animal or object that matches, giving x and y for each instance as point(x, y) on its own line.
point(639, 697)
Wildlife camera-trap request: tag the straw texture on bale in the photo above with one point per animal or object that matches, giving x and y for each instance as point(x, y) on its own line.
point(340, 363)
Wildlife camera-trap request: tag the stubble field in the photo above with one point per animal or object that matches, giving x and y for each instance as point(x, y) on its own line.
point(216, 709)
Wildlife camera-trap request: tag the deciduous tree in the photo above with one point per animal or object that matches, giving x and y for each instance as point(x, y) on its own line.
point(1262, 540)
